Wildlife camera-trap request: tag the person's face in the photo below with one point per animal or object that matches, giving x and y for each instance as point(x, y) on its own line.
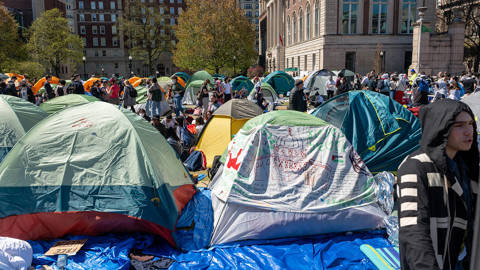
point(461, 134)
point(300, 86)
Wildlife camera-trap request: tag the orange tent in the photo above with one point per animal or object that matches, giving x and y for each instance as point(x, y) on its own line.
point(19, 77)
point(181, 82)
point(88, 84)
point(133, 79)
point(36, 87)
point(138, 82)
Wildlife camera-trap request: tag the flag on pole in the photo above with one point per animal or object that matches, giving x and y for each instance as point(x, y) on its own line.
point(281, 40)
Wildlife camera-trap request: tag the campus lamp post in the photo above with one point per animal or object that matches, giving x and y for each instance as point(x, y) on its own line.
point(234, 63)
point(130, 63)
point(84, 67)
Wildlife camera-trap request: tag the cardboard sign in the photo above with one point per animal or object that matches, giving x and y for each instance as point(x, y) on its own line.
point(70, 247)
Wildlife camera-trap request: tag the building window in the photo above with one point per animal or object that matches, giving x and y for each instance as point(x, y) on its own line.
point(104, 53)
point(308, 22)
point(294, 28)
point(92, 5)
point(114, 41)
point(101, 17)
point(114, 30)
point(305, 59)
point(247, 6)
point(82, 29)
point(317, 18)
point(96, 53)
point(102, 29)
point(103, 42)
point(115, 65)
point(80, 5)
point(112, 4)
point(379, 16)
point(314, 56)
point(172, 1)
point(349, 20)
point(162, 11)
point(84, 42)
point(82, 17)
point(298, 62)
point(300, 25)
point(172, 10)
point(289, 32)
point(248, 13)
point(94, 29)
point(287, 62)
point(100, 5)
point(94, 17)
point(409, 8)
point(350, 61)
point(114, 18)
point(179, 10)
point(95, 42)
point(172, 21)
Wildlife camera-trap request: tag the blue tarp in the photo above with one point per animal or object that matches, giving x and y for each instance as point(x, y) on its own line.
point(322, 252)
point(382, 131)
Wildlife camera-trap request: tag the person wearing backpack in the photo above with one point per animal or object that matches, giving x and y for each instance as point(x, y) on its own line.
point(383, 85)
point(76, 87)
point(129, 96)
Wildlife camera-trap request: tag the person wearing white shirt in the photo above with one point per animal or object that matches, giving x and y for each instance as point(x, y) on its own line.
point(227, 89)
point(330, 87)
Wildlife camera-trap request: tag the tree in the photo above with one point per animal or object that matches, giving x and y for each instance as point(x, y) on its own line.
point(10, 42)
point(146, 31)
point(51, 42)
point(210, 33)
point(469, 12)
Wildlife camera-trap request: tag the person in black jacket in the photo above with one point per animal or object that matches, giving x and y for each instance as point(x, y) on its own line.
point(11, 89)
point(48, 87)
point(437, 187)
point(298, 102)
point(76, 87)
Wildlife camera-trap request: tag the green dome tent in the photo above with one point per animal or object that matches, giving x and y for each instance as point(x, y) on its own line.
point(17, 117)
point(382, 131)
point(268, 93)
point(89, 170)
point(280, 81)
point(240, 82)
point(60, 103)
point(201, 75)
point(190, 96)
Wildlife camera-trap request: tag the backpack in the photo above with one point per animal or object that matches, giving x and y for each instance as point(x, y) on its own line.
point(132, 91)
point(423, 86)
point(215, 166)
point(188, 139)
point(71, 88)
point(196, 161)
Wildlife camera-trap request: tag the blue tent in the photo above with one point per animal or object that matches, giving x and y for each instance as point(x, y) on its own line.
point(242, 82)
point(182, 75)
point(280, 81)
point(382, 131)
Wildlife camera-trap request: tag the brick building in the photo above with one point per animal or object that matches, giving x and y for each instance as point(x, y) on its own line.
point(359, 35)
point(106, 51)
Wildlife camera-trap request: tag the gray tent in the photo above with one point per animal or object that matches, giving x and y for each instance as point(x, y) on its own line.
point(316, 81)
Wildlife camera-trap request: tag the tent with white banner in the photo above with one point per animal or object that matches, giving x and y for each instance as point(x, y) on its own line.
point(290, 174)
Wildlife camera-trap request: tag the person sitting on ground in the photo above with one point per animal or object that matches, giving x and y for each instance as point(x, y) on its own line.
point(199, 125)
point(174, 141)
point(213, 105)
point(168, 121)
point(207, 115)
point(318, 100)
point(437, 187)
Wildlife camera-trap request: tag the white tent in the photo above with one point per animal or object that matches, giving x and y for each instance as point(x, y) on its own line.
point(290, 174)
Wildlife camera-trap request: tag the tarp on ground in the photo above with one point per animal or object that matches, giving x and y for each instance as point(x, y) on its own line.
point(281, 81)
point(291, 174)
point(92, 169)
point(17, 117)
point(59, 103)
point(224, 124)
point(268, 93)
point(382, 131)
point(242, 82)
point(111, 251)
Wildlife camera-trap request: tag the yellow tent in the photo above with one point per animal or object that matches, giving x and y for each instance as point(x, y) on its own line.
point(226, 121)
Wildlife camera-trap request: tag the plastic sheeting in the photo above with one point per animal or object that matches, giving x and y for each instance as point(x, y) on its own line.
point(15, 254)
point(321, 252)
